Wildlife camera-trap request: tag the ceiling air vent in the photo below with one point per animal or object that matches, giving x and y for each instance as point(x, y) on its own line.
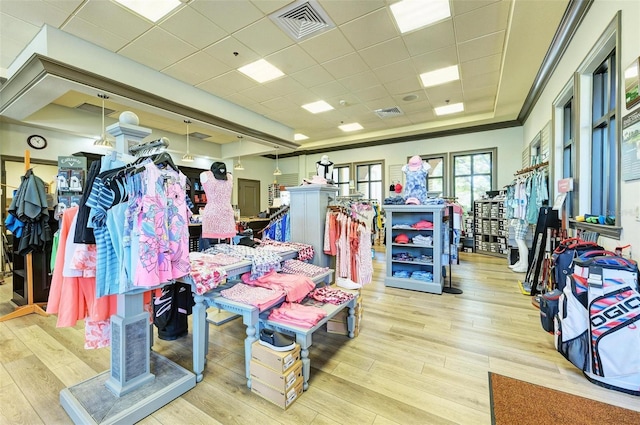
point(389, 112)
point(95, 109)
point(302, 19)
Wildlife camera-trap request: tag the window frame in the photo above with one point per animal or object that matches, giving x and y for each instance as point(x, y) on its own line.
point(493, 169)
point(353, 177)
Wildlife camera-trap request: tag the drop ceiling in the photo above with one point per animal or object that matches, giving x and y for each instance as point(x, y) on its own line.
point(363, 66)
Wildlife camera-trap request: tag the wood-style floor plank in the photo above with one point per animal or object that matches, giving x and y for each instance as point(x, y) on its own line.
point(419, 359)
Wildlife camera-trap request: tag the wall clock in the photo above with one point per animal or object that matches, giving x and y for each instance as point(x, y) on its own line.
point(37, 142)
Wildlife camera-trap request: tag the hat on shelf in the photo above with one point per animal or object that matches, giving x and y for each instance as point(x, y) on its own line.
point(401, 238)
point(219, 170)
point(397, 188)
point(412, 201)
point(415, 163)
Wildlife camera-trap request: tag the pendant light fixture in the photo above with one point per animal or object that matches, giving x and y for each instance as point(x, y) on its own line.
point(238, 165)
point(277, 171)
point(187, 157)
point(102, 142)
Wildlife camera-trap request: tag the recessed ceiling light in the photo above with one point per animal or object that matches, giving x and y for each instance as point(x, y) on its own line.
point(300, 136)
point(152, 10)
point(449, 109)
point(316, 107)
point(261, 71)
point(440, 76)
point(354, 126)
point(414, 14)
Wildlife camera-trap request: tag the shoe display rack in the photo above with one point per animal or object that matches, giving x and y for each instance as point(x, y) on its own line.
point(414, 252)
point(491, 228)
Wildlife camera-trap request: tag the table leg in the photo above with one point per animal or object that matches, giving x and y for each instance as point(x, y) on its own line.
point(199, 336)
point(251, 320)
point(351, 321)
point(306, 367)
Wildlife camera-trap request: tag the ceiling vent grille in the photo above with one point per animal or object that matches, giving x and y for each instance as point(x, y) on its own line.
point(389, 112)
point(302, 19)
point(199, 135)
point(95, 109)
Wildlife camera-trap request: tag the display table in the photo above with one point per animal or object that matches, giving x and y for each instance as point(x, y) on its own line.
point(304, 336)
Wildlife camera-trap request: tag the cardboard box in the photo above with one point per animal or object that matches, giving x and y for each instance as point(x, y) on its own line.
point(281, 398)
point(279, 381)
point(280, 361)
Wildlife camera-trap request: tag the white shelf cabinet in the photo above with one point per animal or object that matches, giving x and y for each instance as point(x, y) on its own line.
point(406, 216)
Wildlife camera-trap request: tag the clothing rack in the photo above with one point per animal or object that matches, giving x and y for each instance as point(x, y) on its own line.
point(149, 148)
point(30, 306)
point(531, 168)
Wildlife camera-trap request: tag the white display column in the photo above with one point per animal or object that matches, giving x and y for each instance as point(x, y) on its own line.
point(308, 214)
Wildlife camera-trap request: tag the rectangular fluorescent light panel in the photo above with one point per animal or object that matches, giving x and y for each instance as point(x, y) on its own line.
point(440, 76)
point(153, 10)
point(354, 126)
point(414, 14)
point(261, 71)
point(317, 107)
point(449, 109)
point(299, 136)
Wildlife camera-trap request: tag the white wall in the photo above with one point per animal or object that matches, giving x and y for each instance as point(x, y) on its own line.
point(598, 18)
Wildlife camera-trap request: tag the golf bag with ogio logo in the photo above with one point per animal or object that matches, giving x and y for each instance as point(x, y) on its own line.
point(614, 324)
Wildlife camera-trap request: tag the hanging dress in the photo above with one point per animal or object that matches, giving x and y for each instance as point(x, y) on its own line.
point(217, 218)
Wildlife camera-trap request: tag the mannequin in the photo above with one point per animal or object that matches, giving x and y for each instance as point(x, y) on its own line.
point(521, 230)
point(416, 172)
point(218, 221)
point(324, 167)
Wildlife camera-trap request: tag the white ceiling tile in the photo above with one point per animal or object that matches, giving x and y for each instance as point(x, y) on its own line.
point(258, 93)
point(241, 99)
point(264, 37)
point(344, 11)
point(437, 59)
point(98, 36)
point(226, 84)
point(385, 53)
point(383, 102)
point(478, 106)
point(403, 85)
point(372, 93)
point(284, 85)
point(270, 6)
point(196, 68)
point(439, 94)
point(228, 15)
point(303, 97)
point(279, 104)
point(224, 49)
point(395, 71)
point(120, 21)
point(424, 115)
point(360, 81)
point(291, 59)
point(481, 66)
point(482, 21)
point(330, 89)
point(157, 49)
point(192, 27)
point(370, 29)
point(399, 98)
point(486, 92)
point(10, 49)
point(430, 38)
point(398, 121)
point(483, 46)
point(67, 6)
point(418, 106)
point(35, 12)
point(346, 65)
point(313, 76)
point(484, 80)
point(463, 6)
point(328, 45)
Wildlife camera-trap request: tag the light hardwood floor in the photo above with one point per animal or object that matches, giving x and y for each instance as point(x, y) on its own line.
point(419, 359)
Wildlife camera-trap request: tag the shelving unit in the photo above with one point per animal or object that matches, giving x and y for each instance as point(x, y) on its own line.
point(491, 228)
point(425, 258)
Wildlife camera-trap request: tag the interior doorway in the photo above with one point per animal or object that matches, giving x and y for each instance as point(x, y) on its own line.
point(248, 197)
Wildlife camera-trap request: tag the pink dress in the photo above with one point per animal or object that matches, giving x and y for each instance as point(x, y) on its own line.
point(217, 218)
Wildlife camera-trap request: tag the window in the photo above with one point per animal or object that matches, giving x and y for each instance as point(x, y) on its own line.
point(473, 175)
point(369, 181)
point(436, 178)
point(604, 153)
point(341, 177)
point(568, 150)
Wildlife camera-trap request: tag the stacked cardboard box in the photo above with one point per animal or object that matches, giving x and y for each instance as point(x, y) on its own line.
point(276, 376)
point(338, 323)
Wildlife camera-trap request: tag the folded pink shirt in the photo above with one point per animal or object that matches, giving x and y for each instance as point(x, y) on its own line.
point(295, 286)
